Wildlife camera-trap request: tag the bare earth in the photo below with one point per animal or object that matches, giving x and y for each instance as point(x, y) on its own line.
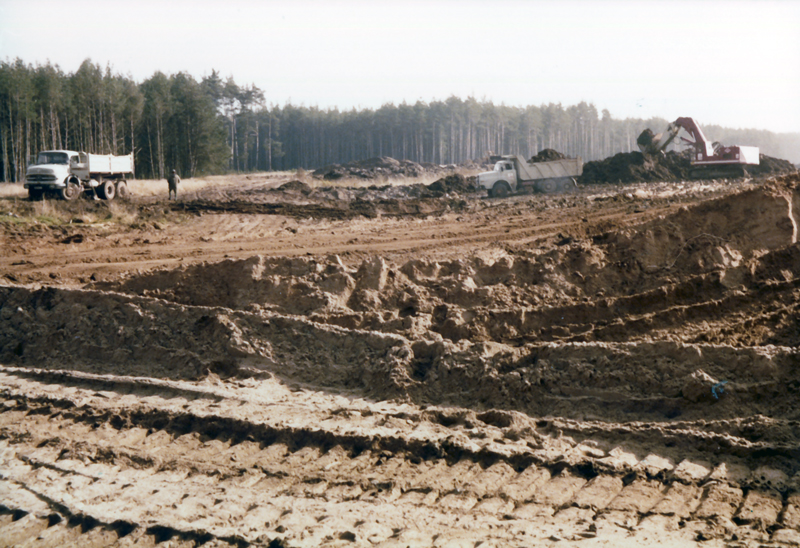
point(264, 366)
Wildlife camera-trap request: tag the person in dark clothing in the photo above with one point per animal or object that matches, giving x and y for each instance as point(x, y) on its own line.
point(173, 180)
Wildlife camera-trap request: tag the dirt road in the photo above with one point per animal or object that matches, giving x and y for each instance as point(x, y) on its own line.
point(378, 367)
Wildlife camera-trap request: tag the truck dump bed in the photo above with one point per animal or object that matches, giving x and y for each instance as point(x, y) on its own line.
point(571, 167)
point(108, 164)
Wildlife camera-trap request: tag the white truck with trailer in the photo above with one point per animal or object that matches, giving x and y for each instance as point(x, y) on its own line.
point(514, 174)
point(67, 174)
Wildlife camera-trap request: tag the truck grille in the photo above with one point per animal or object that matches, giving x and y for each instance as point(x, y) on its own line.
point(40, 178)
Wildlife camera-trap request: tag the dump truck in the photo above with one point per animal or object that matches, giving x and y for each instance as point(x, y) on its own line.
point(67, 174)
point(514, 174)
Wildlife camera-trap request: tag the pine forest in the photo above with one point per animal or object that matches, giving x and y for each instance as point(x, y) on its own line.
point(216, 125)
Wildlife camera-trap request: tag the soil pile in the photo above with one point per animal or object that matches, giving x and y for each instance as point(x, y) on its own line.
point(769, 166)
point(373, 168)
point(547, 155)
point(296, 187)
point(635, 167)
point(453, 183)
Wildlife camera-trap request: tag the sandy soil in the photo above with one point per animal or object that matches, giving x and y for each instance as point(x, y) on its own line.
point(271, 364)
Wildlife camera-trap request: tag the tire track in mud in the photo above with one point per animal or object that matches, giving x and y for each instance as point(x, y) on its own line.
point(519, 221)
point(95, 458)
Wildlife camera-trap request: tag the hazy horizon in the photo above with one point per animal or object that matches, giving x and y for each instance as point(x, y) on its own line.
point(733, 64)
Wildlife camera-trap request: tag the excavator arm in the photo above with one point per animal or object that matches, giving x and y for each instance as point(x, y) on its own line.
point(659, 142)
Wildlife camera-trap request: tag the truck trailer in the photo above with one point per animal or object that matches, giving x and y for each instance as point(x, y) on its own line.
point(67, 174)
point(514, 174)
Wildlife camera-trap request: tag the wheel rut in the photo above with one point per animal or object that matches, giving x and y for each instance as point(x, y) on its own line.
point(82, 473)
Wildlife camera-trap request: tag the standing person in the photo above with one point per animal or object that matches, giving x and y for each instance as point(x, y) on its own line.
point(173, 180)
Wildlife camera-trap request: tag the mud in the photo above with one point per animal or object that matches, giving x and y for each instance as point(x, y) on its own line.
point(616, 367)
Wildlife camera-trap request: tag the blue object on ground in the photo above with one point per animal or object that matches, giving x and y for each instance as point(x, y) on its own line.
point(721, 387)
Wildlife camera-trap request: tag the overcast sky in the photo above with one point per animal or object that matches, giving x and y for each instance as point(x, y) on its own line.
point(721, 62)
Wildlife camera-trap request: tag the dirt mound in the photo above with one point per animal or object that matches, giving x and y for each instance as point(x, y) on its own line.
point(453, 183)
point(547, 155)
point(373, 168)
point(769, 166)
point(295, 186)
point(635, 167)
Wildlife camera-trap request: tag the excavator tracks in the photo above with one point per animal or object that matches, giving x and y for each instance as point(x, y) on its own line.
point(104, 460)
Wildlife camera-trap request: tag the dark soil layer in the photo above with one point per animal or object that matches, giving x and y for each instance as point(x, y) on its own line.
point(547, 155)
point(635, 167)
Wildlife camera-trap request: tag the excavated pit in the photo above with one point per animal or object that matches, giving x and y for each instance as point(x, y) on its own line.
point(650, 361)
point(592, 327)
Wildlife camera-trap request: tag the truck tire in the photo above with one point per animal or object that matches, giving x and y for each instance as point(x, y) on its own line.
point(500, 190)
point(123, 193)
point(70, 192)
point(568, 184)
point(548, 186)
point(107, 190)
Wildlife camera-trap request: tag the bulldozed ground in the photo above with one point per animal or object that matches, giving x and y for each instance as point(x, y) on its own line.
point(278, 362)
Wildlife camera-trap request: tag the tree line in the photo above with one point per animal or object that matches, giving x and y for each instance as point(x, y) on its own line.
point(215, 125)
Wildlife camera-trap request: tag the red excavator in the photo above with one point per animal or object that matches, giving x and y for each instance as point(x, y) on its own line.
point(708, 159)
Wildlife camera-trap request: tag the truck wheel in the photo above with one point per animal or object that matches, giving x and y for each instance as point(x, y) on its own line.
point(106, 190)
point(548, 186)
point(568, 185)
point(123, 193)
point(501, 189)
point(35, 195)
point(70, 192)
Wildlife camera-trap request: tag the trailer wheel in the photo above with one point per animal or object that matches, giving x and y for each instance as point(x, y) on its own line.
point(70, 192)
point(106, 190)
point(123, 193)
point(501, 190)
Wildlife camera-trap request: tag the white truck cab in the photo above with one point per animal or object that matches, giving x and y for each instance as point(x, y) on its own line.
point(51, 171)
point(503, 171)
